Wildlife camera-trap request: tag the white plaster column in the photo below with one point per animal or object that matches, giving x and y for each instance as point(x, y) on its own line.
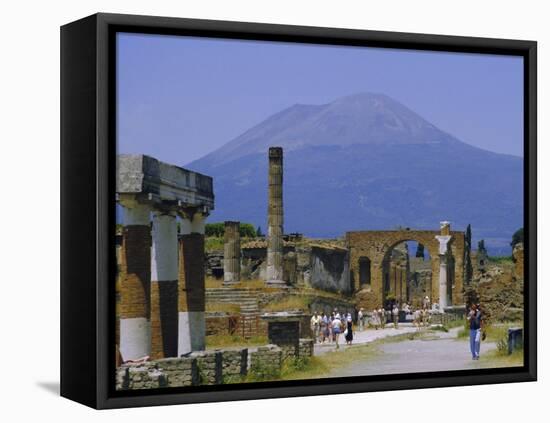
point(443, 246)
point(134, 319)
point(191, 285)
point(164, 252)
point(164, 277)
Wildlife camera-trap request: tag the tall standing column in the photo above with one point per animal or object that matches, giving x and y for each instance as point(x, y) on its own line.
point(231, 253)
point(274, 271)
point(191, 286)
point(164, 286)
point(443, 239)
point(135, 263)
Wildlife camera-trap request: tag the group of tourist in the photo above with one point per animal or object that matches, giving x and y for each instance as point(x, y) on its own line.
point(327, 328)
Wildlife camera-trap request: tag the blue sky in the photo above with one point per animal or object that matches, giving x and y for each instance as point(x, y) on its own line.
point(180, 98)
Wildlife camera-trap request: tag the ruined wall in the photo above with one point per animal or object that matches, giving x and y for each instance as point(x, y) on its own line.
point(518, 257)
point(329, 270)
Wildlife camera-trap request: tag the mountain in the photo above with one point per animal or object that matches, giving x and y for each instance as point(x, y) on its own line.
point(367, 162)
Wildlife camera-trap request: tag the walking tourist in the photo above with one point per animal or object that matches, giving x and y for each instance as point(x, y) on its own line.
point(324, 328)
point(395, 315)
point(375, 319)
point(474, 319)
point(382, 316)
point(349, 330)
point(315, 326)
point(417, 318)
point(426, 302)
point(360, 319)
point(336, 329)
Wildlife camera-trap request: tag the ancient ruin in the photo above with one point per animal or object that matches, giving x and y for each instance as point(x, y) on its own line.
point(160, 303)
point(165, 311)
point(275, 218)
point(372, 266)
point(373, 278)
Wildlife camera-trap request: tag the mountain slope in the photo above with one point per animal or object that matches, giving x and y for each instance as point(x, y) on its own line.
point(367, 162)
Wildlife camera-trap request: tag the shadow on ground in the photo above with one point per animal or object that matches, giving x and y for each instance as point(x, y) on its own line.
point(51, 387)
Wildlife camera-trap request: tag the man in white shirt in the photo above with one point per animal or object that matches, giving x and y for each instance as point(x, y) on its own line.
point(360, 318)
point(315, 326)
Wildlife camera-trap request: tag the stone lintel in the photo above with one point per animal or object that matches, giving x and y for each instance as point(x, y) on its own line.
point(162, 184)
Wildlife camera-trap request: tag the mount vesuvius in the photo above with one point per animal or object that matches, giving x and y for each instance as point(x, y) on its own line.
point(367, 162)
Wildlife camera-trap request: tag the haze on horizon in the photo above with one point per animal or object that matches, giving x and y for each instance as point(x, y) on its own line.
point(180, 98)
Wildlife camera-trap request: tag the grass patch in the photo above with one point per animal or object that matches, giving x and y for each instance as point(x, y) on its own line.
point(497, 359)
point(319, 366)
point(228, 308)
point(223, 341)
point(291, 302)
point(501, 260)
point(213, 243)
point(256, 284)
point(213, 283)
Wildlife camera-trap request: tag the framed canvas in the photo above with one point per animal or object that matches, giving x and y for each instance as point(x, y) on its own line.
point(258, 211)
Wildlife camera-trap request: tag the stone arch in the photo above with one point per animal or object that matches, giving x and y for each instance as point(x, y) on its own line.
point(376, 245)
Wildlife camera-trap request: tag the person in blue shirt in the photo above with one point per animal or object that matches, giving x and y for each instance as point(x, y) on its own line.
point(474, 320)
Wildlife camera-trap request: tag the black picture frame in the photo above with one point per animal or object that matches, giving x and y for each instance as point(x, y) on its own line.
point(88, 211)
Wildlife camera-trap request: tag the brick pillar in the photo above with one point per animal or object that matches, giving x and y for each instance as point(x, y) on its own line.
point(191, 287)
point(164, 286)
point(274, 272)
point(231, 253)
point(134, 289)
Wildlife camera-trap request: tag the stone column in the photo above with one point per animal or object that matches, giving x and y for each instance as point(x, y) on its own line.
point(191, 287)
point(443, 239)
point(164, 286)
point(274, 272)
point(135, 263)
point(231, 253)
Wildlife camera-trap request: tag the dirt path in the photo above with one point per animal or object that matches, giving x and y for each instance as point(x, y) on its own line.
point(435, 353)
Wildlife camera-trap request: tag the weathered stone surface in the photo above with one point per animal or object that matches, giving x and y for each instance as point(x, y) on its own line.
point(232, 253)
point(266, 361)
point(330, 269)
point(518, 257)
point(275, 218)
point(157, 181)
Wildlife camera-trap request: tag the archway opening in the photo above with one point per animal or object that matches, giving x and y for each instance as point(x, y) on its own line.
point(364, 272)
point(407, 275)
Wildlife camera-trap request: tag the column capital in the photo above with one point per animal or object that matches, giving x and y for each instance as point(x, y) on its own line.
point(443, 243)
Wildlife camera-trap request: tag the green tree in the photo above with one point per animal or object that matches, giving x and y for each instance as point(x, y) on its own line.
point(468, 237)
point(481, 246)
point(517, 237)
point(247, 230)
point(216, 229)
point(259, 233)
point(468, 269)
point(420, 250)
